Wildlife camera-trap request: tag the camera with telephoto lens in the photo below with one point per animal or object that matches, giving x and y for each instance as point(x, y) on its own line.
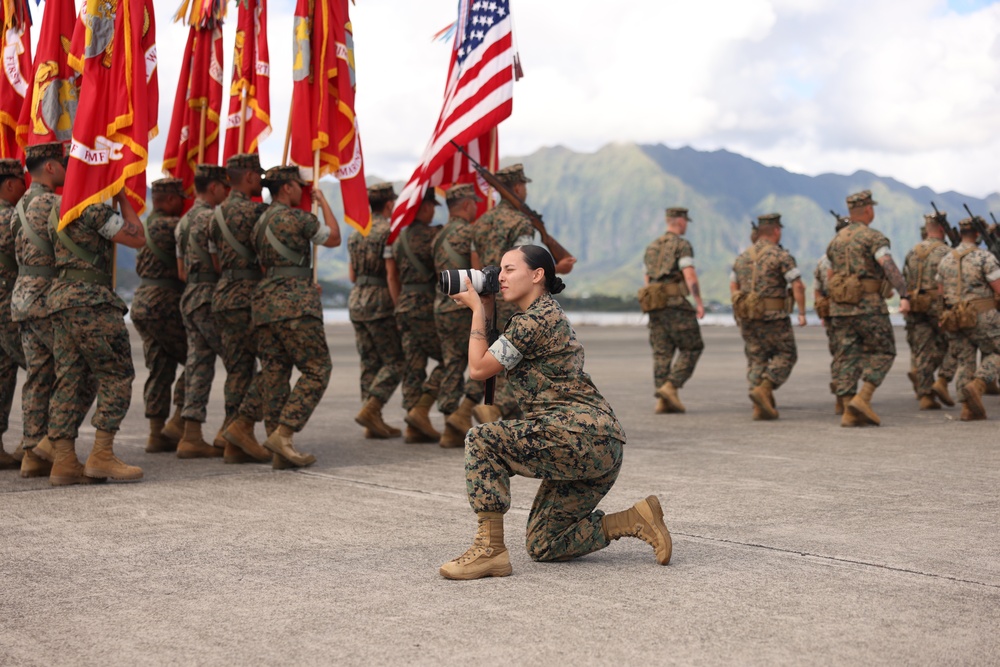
point(486, 281)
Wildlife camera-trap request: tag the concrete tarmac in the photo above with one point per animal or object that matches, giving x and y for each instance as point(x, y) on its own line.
point(795, 542)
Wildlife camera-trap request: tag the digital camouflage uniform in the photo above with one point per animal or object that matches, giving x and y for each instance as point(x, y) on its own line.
point(819, 285)
point(371, 311)
point(928, 342)
point(195, 247)
point(156, 314)
point(674, 328)
point(769, 341)
point(88, 326)
point(862, 334)
point(979, 268)
point(494, 233)
point(231, 305)
point(11, 352)
point(287, 311)
point(453, 320)
point(415, 310)
point(569, 437)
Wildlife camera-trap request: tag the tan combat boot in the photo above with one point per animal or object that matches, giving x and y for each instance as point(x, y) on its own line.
point(371, 418)
point(487, 557)
point(240, 433)
point(661, 407)
point(461, 419)
point(929, 403)
point(940, 389)
point(8, 462)
point(193, 445)
point(763, 398)
point(157, 442)
point(18, 452)
point(412, 436)
point(992, 388)
point(103, 464)
point(280, 443)
point(419, 419)
point(43, 450)
point(838, 409)
point(643, 520)
point(173, 430)
point(861, 405)
point(848, 418)
point(67, 469)
point(486, 414)
point(913, 381)
point(974, 399)
point(33, 465)
point(668, 392)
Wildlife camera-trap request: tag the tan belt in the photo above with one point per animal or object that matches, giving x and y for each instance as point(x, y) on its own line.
point(673, 289)
point(980, 305)
point(771, 305)
point(870, 286)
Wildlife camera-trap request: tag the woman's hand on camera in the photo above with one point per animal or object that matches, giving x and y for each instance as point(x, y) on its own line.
point(469, 298)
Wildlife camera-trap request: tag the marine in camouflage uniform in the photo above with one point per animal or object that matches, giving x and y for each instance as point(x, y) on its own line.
point(495, 232)
point(863, 338)
point(90, 341)
point(674, 328)
point(762, 278)
point(371, 310)
point(232, 225)
point(12, 188)
point(411, 275)
point(569, 437)
point(928, 342)
point(196, 253)
point(453, 251)
point(287, 311)
point(821, 299)
point(156, 314)
point(969, 279)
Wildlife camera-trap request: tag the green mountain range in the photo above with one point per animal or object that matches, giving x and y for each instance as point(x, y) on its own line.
point(606, 206)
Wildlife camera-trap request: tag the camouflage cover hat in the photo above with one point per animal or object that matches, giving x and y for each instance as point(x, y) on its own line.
point(212, 172)
point(10, 167)
point(678, 212)
point(861, 199)
point(461, 191)
point(169, 186)
point(382, 191)
point(52, 150)
point(279, 175)
point(513, 174)
point(249, 161)
point(769, 219)
point(967, 225)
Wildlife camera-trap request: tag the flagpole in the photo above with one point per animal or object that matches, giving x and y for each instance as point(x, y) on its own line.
point(315, 209)
point(243, 118)
point(288, 138)
point(201, 132)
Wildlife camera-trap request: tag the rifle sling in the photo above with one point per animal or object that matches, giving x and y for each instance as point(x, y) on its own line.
point(240, 249)
point(43, 245)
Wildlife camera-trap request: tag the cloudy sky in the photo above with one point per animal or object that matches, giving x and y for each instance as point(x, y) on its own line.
point(908, 90)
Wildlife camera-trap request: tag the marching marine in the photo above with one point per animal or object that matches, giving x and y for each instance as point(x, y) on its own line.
point(12, 188)
point(762, 277)
point(821, 299)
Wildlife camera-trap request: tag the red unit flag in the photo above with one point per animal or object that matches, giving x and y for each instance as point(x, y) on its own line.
point(250, 90)
point(15, 86)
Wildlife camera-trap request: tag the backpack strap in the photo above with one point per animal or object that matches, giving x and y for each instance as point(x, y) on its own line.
point(43, 244)
point(240, 249)
point(404, 243)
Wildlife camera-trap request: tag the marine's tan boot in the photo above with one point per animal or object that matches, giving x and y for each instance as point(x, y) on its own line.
point(992, 388)
point(193, 445)
point(103, 464)
point(18, 452)
point(67, 469)
point(661, 407)
point(848, 419)
point(913, 381)
point(757, 413)
point(487, 557)
point(861, 405)
point(43, 450)
point(412, 436)
point(643, 520)
point(838, 409)
point(461, 419)
point(451, 437)
point(419, 419)
point(33, 465)
point(486, 414)
point(233, 454)
point(763, 398)
point(940, 389)
point(929, 403)
point(967, 414)
point(668, 392)
point(974, 399)
point(8, 462)
point(157, 442)
point(173, 430)
point(280, 443)
point(240, 433)
point(371, 418)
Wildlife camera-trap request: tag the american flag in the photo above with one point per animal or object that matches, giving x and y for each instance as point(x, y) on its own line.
point(479, 94)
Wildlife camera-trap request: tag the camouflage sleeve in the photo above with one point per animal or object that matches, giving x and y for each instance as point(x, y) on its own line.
point(526, 332)
point(991, 268)
point(685, 254)
point(311, 227)
point(103, 219)
point(879, 246)
point(789, 268)
point(505, 352)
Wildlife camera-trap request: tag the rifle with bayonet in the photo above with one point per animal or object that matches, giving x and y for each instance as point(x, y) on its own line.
point(954, 237)
point(559, 253)
point(988, 236)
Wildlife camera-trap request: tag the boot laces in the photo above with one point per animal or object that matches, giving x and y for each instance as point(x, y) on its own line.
point(480, 546)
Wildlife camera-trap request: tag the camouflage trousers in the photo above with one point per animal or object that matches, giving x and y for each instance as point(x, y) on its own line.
point(831, 345)
point(11, 358)
point(577, 470)
point(239, 355)
point(36, 342)
point(984, 337)
point(864, 348)
point(674, 330)
point(420, 343)
point(503, 393)
point(770, 350)
point(928, 349)
point(164, 347)
point(453, 332)
point(90, 344)
point(203, 345)
point(950, 364)
point(300, 343)
point(381, 353)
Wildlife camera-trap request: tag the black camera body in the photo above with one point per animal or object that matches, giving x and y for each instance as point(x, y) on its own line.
point(486, 281)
